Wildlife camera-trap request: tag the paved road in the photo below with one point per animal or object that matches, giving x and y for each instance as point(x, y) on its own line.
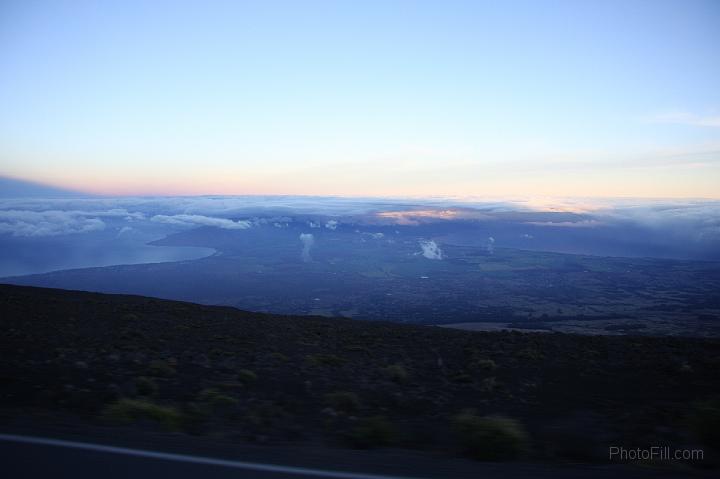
point(27, 457)
point(43, 458)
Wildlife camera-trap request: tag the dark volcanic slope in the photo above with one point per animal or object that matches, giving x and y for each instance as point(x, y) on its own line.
point(257, 377)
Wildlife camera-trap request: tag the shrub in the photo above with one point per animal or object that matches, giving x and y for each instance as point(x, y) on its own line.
point(490, 437)
point(161, 368)
point(345, 401)
point(396, 373)
point(371, 432)
point(279, 357)
point(486, 364)
point(325, 360)
point(129, 410)
point(216, 400)
point(145, 386)
point(246, 376)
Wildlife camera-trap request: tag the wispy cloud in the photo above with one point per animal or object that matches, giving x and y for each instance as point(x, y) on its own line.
point(685, 118)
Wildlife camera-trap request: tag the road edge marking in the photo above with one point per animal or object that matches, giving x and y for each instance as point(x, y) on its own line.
point(252, 466)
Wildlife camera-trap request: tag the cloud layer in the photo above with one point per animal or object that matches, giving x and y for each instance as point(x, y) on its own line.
point(48, 223)
point(674, 228)
point(200, 220)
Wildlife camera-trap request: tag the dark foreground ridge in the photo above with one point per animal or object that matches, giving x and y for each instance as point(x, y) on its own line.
point(213, 375)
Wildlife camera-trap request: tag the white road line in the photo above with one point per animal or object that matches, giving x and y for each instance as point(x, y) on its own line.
point(251, 466)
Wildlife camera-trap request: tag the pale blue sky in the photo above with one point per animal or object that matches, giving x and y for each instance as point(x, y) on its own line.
point(393, 98)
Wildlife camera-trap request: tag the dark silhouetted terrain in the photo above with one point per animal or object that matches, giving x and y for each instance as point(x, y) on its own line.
point(217, 372)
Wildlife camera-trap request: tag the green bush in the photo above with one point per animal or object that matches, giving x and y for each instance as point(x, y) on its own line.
point(371, 432)
point(330, 360)
point(396, 373)
point(129, 410)
point(490, 438)
point(161, 368)
point(344, 401)
point(246, 376)
point(279, 357)
point(216, 400)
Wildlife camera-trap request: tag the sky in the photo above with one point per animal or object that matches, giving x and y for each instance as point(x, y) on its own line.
point(387, 98)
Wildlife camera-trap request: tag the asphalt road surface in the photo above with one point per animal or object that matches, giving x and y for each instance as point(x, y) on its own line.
point(27, 457)
point(33, 457)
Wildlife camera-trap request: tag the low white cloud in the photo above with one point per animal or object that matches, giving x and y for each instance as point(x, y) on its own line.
point(114, 213)
point(695, 221)
point(431, 250)
point(199, 220)
point(568, 224)
point(376, 236)
point(683, 227)
point(47, 223)
point(307, 240)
